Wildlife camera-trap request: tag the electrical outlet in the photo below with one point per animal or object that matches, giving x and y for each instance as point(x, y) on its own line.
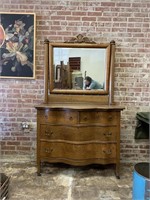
point(25, 125)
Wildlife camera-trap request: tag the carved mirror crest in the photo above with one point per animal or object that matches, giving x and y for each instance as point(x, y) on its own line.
point(71, 62)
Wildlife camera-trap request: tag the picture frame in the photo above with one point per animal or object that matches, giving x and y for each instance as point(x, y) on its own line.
point(17, 45)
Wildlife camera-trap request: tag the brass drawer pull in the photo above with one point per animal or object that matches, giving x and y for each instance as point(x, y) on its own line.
point(108, 152)
point(47, 150)
point(46, 117)
point(48, 134)
point(108, 134)
point(85, 118)
point(110, 117)
point(71, 118)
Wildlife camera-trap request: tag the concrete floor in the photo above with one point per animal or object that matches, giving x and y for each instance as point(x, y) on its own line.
point(64, 182)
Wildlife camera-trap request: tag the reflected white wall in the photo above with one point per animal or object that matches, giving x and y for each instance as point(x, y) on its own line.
point(93, 60)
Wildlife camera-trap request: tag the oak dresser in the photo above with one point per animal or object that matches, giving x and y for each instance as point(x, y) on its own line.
point(75, 126)
point(78, 135)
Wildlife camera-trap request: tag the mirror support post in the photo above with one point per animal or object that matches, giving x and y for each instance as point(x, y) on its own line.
point(46, 70)
point(111, 80)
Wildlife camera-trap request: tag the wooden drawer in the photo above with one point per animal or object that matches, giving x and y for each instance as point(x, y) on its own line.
point(51, 132)
point(106, 118)
point(77, 151)
point(57, 116)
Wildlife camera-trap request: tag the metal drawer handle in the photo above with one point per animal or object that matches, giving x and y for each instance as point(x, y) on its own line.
point(71, 118)
point(47, 150)
point(85, 118)
point(46, 116)
point(48, 134)
point(108, 152)
point(108, 134)
point(110, 117)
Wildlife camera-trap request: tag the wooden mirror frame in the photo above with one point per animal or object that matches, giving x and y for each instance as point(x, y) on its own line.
point(79, 42)
point(53, 90)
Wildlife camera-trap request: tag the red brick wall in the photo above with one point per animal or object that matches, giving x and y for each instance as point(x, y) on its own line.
point(126, 22)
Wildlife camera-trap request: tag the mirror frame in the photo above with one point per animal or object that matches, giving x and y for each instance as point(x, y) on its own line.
point(74, 91)
point(79, 42)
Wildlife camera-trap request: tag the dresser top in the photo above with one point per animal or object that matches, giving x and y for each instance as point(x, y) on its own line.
point(79, 106)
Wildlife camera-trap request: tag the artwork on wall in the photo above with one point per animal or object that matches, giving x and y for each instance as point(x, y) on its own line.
point(17, 45)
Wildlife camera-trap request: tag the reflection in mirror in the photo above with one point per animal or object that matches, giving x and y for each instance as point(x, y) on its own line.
point(72, 65)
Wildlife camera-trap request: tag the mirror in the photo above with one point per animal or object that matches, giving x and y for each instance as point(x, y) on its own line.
point(71, 63)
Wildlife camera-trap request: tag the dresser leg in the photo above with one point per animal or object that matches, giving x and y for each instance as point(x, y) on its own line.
point(117, 171)
point(117, 176)
point(39, 169)
point(38, 174)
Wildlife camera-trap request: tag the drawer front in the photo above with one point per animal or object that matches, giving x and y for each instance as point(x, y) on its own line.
point(77, 151)
point(106, 118)
point(50, 132)
point(57, 117)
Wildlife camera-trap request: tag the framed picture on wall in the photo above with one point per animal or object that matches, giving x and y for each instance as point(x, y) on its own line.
point(17, 45)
